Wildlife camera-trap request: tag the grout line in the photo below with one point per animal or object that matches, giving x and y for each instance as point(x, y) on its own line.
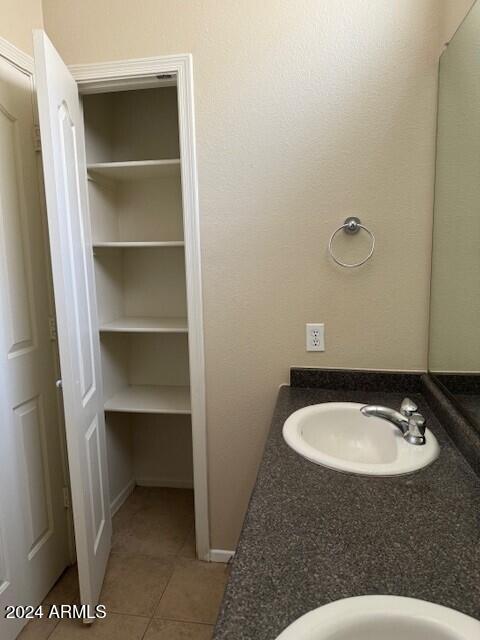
point(146, 629)
point(164, 557)
point(184, 621)
point(136, 615)
point(164, 590)
point(51, 632)
point(133, 615)
point(205, 624)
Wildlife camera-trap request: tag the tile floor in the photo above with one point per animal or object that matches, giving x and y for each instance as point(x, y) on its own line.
point(154, 588)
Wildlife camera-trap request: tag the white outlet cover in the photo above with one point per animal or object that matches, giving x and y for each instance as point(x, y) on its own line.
point(315, 336)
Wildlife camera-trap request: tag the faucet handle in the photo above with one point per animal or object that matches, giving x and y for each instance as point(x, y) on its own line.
point(419, 421)
point(408, 408)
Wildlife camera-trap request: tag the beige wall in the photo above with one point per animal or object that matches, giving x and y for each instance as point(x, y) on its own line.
point(455, 303)
point(452, 14)
point(307, 111)
point(17, 19)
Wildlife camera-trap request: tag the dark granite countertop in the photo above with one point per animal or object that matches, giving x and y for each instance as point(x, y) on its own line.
point(313, 535)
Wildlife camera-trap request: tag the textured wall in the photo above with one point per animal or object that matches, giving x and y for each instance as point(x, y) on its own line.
point(455, 309)
point(17, 19)
point(452, 12)
point(306, 112)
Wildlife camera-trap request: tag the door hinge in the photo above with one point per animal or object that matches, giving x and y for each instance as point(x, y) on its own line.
point(66, 498)
point(37, 140)
point(52, 325)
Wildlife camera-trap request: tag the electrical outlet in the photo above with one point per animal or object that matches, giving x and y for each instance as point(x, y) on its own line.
point(315, 337)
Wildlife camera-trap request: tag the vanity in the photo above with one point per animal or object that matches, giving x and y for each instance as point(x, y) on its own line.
point(313, 535)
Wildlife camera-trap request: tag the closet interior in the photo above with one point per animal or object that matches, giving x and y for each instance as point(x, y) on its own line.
point(135, 203)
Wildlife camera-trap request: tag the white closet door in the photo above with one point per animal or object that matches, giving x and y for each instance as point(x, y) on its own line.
point(63, 151)
point(33, 520)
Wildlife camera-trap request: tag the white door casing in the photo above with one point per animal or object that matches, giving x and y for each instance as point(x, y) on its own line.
point(141, 73)
point(63, 151)
point(33, 520)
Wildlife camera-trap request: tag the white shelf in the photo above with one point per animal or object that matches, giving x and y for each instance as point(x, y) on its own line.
point(151, 399)
point(135, 170)
point(138, 245)
point(146, 325)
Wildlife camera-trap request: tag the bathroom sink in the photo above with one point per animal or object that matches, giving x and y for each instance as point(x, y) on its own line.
point(382, 617)
point(337, 435)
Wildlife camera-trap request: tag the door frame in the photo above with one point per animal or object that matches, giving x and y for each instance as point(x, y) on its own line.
point(25, 63)
point(17, 57)
point(141, 73)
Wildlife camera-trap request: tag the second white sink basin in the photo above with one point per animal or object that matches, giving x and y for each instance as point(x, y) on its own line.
point(337, 435)
point(382, 618)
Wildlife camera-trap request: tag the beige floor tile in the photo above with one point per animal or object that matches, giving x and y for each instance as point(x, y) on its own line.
point(156, 530)
point(138, 499)
point(188, 550)
point(134, 583)
point(65, 590)
point(38, 629)
point(113, 627)
point(143, 497)
point(179, 498)
point(194, 592)
point(154, 521)
point(169, 630)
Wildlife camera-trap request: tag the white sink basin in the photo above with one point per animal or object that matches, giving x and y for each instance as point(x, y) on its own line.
point(337, 435)
point(382, 618)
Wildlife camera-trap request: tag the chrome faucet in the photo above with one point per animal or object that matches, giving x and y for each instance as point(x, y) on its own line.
point(408, 420)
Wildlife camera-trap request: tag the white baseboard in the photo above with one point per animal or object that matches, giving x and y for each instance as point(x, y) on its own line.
point(163, 482)
point(221, 555)
point(122, 496)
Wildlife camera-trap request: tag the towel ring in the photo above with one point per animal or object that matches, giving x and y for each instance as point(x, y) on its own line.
point(352, 225)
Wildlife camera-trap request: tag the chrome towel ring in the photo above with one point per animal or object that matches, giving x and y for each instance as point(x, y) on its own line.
point(352, 225)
